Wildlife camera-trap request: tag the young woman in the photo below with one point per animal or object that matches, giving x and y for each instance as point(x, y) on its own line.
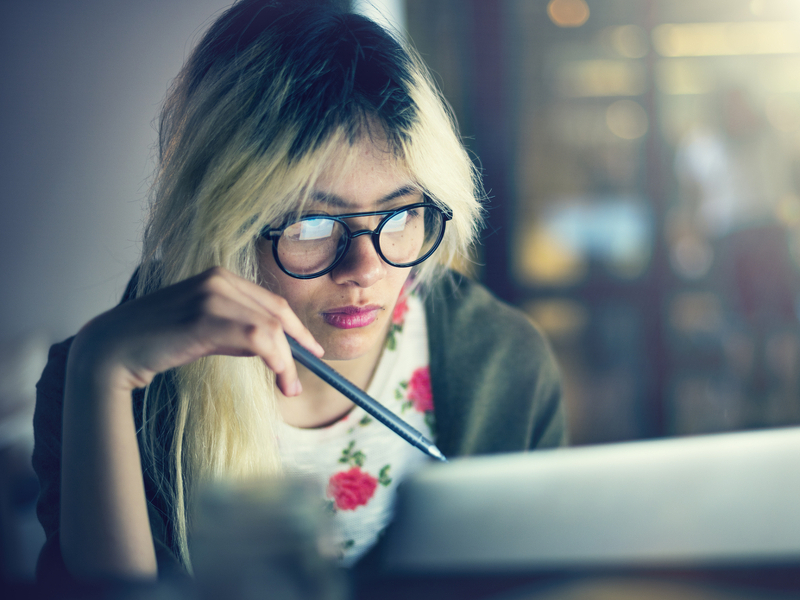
point(311, 183)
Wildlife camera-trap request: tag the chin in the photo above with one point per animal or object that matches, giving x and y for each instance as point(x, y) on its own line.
point(351, 344)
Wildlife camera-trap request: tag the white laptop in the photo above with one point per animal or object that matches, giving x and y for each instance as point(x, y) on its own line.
point(711, 501)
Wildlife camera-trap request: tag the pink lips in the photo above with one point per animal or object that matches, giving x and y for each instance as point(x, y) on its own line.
point(350, 317)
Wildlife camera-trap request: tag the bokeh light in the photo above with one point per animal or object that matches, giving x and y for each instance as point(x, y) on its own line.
point(627, 119)
point(630, 41)
point(568, 13)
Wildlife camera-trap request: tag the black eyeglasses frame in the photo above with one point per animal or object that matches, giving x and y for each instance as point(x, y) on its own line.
point(275, 234)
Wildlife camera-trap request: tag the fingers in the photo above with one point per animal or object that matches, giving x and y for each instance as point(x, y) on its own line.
point(215, 312)
point(267, 318)
point(279, 307)
point(230, 328)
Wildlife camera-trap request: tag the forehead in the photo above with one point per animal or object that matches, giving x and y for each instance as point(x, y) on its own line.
point(362, 175)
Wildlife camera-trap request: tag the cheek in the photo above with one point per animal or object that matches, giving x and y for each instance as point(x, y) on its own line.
point(399, 279)
point(269, 273)
point(298, 293)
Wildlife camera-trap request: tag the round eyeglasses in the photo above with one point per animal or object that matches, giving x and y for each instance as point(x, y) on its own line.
point(313, 245)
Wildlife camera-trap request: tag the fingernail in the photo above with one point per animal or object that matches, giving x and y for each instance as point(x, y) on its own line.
point(297, 388)
point(320, 350)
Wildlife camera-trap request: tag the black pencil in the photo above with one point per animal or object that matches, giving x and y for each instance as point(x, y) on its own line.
point(369, 404)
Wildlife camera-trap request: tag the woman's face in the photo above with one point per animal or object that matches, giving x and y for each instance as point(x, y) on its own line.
point(349, 310)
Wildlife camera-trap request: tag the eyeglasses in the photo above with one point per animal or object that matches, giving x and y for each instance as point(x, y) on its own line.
point(313, 245)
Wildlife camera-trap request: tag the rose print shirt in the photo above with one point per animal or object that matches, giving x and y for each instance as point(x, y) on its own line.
point(357, 461)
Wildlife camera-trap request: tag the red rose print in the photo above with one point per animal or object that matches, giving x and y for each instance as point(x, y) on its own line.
point(419, 389)
point(400, 310)
point(351, 489)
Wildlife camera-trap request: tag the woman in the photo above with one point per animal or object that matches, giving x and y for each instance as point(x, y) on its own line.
point(311, 183)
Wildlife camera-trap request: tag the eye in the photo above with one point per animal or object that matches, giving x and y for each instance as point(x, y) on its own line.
point(310, 229)
point(314, 229)
point(396, 222)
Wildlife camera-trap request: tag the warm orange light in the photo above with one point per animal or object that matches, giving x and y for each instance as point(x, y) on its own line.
point(559, 318)
point(568, 13)
point(544, 259)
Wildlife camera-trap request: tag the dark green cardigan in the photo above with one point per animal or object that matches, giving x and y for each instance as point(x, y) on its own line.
point(496, 388)
point(496, 385)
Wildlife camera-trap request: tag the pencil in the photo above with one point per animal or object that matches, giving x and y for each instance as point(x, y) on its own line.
point(368, 403)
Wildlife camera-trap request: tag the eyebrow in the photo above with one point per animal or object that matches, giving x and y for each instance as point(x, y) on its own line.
point(339, 202)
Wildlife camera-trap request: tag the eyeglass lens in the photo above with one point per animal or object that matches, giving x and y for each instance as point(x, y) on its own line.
point(313, 244)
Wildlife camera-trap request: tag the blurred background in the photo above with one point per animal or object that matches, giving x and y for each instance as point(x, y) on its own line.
point(642, 158)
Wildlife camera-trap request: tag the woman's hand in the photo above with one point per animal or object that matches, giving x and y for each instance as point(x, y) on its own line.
point(105, 530)
point(215, 312)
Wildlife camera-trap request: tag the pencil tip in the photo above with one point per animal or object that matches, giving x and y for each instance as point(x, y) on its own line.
point(436, 453)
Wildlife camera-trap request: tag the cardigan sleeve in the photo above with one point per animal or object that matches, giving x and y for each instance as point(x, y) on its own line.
point(46, 460)
point(496, 384)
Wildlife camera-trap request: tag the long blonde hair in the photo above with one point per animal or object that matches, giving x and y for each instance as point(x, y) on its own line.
point(273, 92)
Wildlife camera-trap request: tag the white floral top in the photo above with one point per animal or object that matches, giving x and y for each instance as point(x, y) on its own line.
point(357, 461)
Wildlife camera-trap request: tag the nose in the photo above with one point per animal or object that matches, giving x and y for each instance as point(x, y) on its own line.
point(361, 265)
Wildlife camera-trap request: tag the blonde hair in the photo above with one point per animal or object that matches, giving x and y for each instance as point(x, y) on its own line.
point(272, 94)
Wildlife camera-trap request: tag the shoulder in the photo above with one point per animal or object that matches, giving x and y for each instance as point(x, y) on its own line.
point(50, 387)
point(463, 311)
point(46, 459)
point(56, 362)
point(50, 396)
